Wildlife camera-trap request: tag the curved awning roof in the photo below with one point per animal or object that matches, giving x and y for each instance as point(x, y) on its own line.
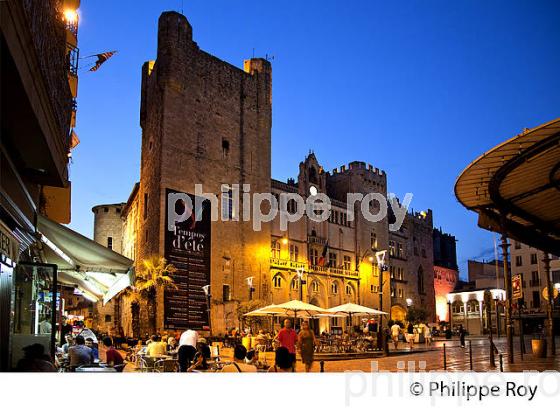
point(98, 271)
point(515, 187)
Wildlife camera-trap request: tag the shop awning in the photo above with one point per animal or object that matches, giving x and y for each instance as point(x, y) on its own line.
point(97, 271)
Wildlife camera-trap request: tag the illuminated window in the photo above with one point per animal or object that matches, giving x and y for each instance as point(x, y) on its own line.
point(294, 253)
point(227, 203)
point(347, 262)
point(275, 249)
point(313, 256)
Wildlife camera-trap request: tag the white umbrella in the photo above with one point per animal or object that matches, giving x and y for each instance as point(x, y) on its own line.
point(351, 309)
point(265, 311)
point(297, 307)
point(354, 309)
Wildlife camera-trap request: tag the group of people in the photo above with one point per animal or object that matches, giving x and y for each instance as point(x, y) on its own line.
point(76, 352)
point(410, 333)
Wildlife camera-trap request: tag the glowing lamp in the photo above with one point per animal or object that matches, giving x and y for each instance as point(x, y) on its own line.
point(284, 241)
point(70, 16)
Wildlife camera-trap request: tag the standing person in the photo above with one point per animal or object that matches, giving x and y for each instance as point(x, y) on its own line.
point(306, 345)
point(287, 337)
point(428, 335)
point(395, 332)
point(462, 334)
point(283, 361)
point(80, 354)
point(187, 349)
point(189, 338)
point(410, 335)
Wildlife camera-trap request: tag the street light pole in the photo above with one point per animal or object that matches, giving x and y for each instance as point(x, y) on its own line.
point(550, 312)
point(507, 279)
point(206, 290)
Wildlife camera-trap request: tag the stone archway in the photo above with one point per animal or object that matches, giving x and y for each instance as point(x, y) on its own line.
point(398, 313)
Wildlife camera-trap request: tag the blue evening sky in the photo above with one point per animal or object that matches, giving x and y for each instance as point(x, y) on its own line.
point(417, 88)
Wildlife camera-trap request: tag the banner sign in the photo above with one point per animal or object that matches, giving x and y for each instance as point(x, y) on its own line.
point(187, 247)
point(516, 287)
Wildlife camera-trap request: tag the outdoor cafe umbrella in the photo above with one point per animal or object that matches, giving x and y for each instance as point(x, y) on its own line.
point(354, 309)
point(351, 309)
point(297, 307)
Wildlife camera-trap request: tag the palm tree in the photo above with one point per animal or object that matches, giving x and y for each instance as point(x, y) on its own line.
point(154, 274)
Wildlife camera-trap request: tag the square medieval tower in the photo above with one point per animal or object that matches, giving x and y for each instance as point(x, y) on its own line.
point(205, 121)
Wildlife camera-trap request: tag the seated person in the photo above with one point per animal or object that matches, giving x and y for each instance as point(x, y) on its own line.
point(69, 342)
point(201, 356)
point(35, 360)
point(172, 346)
point(80, 354)
point(156, 347)
point(283, 361)
point(113, 357)
point(238, 365)
point(89, 343)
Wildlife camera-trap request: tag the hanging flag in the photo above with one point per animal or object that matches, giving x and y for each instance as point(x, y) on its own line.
point(321, 261)
point(101, 58)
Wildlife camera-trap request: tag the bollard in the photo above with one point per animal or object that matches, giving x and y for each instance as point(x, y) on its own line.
point(470, 354)
point(444, 358)
point(501, 362)
point(322, 364)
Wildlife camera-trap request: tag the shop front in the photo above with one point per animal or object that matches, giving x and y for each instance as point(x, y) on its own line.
point(31, 305)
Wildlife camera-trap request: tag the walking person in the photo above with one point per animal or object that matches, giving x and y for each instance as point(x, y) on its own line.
point(428, 335)
point(287, 337)
point(395, 332)
point(306, 345)
point(462, 334)
point(410, 335)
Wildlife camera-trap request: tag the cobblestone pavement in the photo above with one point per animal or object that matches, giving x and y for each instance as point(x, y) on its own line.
point(422, 359)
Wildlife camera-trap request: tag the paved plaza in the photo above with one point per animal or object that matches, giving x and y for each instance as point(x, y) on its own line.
point(432, 358)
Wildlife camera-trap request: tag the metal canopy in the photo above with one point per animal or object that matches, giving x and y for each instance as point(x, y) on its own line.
point(515, 187)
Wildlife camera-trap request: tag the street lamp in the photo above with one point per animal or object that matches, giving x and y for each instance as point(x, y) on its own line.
point(408, 302)
point(380, 256)
point(302, 282)
point(250, 285)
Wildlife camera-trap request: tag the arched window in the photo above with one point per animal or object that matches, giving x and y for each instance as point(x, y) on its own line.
point(295, 283)
point(334, 288)
point(348, 289)
point(315, 286)
point(277, 281)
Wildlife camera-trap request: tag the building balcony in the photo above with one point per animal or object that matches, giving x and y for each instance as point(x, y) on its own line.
point(317, 239)
point(333, 271)
point(287, 264)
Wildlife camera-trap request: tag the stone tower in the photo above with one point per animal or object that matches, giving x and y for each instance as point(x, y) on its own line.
point(205, 121)
point(107, 226)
